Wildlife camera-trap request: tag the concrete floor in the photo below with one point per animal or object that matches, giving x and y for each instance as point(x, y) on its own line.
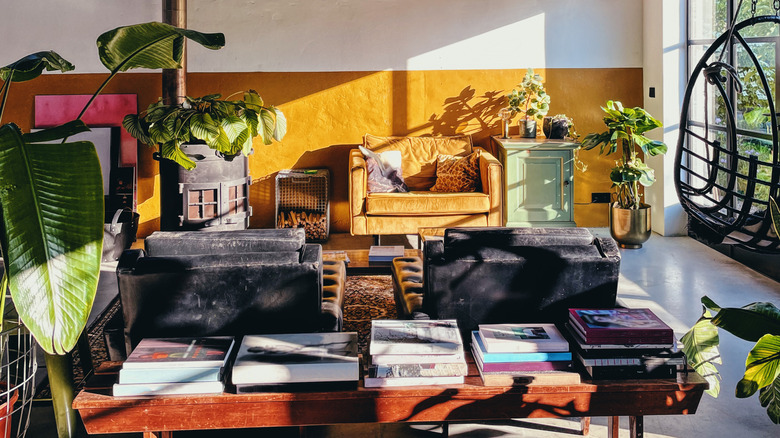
point(668, 275)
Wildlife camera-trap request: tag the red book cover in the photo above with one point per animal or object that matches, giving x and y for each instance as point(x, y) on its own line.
point(620, 325)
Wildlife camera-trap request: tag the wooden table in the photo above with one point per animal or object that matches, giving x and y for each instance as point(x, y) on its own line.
point(157, 417)
point(359, 264)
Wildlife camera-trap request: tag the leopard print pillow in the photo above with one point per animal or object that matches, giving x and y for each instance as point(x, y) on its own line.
point(457, 174)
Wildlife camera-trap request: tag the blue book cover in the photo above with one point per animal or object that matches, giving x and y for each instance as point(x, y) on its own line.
point(514, 357)
point(169, 375)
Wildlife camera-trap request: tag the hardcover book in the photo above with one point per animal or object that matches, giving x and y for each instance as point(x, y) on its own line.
point(385, 253)
point(419, 370)
point(196, 352)
point(521, 367)
point(522, 338)
point(296, 358)
point(382, 382)
point(414, 337)
point(170, 375)
point(138, 389)
point(631, 372)
point(578, 341)
point(530, 378)
point(392, 359)
point(479, 350)
point(620, 324)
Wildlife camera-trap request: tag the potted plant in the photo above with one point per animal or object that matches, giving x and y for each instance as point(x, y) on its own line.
point(629, 219)
point(757, 323)
point(531, 100)
point(51, 203)
point(217, 134)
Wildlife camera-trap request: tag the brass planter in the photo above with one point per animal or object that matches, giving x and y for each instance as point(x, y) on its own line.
point(630, 228)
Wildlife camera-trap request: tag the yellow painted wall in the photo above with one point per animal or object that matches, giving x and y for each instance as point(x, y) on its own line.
point(328, 113)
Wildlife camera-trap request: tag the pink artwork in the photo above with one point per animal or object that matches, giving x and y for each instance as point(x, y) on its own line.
point(106, 111)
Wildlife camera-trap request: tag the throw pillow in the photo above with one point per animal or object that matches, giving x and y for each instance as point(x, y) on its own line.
point(384, 171)
point(457, 174)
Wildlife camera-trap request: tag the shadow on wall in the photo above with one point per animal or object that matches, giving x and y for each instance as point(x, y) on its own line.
point(469, 113)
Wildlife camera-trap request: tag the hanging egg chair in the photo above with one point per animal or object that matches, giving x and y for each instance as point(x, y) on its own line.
point(724, 174)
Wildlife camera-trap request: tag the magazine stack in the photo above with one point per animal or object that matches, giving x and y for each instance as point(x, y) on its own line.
point(164, 366)
point(522, 354)
point(624, 343)
point(288, 360)
point(415, 352)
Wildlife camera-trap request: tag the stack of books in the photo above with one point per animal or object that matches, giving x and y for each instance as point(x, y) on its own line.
point(384, 253)
point(289, 360)
point(164, 366)
point(522, 354)
point(415, 352)
point(624, 343)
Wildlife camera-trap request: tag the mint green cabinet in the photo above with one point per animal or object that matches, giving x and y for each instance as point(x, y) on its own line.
point(539, 186)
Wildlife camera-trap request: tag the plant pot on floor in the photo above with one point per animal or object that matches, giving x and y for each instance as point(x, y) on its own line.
point(214, 196)
point(527, 128)
point(630, 227)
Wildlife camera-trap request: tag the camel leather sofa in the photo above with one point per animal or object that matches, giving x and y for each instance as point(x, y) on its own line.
point(495, 275)
point(196, 283)
point(404, 213)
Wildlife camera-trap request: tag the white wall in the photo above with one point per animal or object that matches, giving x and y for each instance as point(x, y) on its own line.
point(665, 69)
point(349, 35)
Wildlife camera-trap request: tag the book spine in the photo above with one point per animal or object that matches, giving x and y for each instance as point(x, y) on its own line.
point(121, 390)
point(515, 357)
point(380, 382)
point(539, 378)
point(631, 372)
point(168, 375)
point(419, 370)
point(393, 359)
point(271, 374)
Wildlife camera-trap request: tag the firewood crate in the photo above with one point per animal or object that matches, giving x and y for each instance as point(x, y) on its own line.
point(302, 201)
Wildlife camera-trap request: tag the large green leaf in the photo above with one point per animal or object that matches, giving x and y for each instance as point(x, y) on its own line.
point(749, 322)
point(31, 66)
point(762, 366)
point(700, 346)
point(770, 399)
point(281, 124)
point(51, 198)
point(149, 45)
point(774, 211)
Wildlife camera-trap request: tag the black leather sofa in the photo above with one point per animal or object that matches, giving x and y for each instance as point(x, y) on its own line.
point(496, 274)
point(195, 283)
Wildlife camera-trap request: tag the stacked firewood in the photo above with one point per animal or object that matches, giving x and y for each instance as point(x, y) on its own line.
point(314, 223)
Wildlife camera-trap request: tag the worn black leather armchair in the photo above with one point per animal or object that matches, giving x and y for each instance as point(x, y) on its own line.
point(196, 283)
point(495, 274)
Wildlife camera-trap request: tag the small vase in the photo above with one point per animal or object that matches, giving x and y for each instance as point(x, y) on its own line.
point(546, 126)
point(527, 128)
point(559, 129)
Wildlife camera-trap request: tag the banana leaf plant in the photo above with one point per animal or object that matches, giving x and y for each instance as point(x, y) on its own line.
point(757, 323)
point(51, 197)
point(227, 126)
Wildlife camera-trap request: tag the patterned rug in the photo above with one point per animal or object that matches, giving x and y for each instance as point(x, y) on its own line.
point(365, 298)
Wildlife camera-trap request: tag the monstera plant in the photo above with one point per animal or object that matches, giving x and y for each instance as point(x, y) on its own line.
point(51, 200)
point(758, 323)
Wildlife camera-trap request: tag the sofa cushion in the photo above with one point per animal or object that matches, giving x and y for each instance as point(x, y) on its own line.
point(427, 203)
point(385, 173)
point(419, 154)
point(457, 174)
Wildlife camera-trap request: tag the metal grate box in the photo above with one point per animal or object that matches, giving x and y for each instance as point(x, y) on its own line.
point(302, 201)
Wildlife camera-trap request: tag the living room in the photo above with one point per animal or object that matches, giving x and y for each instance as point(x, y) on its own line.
point(390, 68)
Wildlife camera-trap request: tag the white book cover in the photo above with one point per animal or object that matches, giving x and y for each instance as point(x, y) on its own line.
point(380, 382)
point(390, 336)
point(296, 358)
point(397, 359)
point(138, 389)
point(385, 253)
point(522, 338)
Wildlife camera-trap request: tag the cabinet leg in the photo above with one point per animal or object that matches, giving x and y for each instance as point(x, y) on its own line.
point(585, 426)
point(158, 434)
point(613, 426)
point(636, 426)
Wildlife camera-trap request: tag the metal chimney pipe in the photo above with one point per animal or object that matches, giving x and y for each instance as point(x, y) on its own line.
point(174, 81)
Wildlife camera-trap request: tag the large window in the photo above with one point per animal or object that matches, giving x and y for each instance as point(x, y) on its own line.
point(755, 58)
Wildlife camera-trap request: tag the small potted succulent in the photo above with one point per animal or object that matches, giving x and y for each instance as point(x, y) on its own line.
point(559, 127)
point(531, 100)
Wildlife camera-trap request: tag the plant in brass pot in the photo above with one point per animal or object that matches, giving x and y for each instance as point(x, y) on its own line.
point(531, 100)
point(757, 323)
point(629, 216)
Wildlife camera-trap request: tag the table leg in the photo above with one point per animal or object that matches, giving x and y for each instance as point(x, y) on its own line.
point(636, 426)
point(585, 426)
point(613, 427)
point(158, 434)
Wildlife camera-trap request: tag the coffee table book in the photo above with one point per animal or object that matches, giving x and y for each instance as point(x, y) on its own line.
point(177, 388)
point(522, 338)
point(393, 359)
point(479, 349)
point(169, 375)
point(520, 367)
point(393, 382)
point(385, 253)
point(414, 337)
point(419, 370)
point(578, 342)
point(620, 325)
point(193, 352)
point(296, 358)
point(530, 378)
